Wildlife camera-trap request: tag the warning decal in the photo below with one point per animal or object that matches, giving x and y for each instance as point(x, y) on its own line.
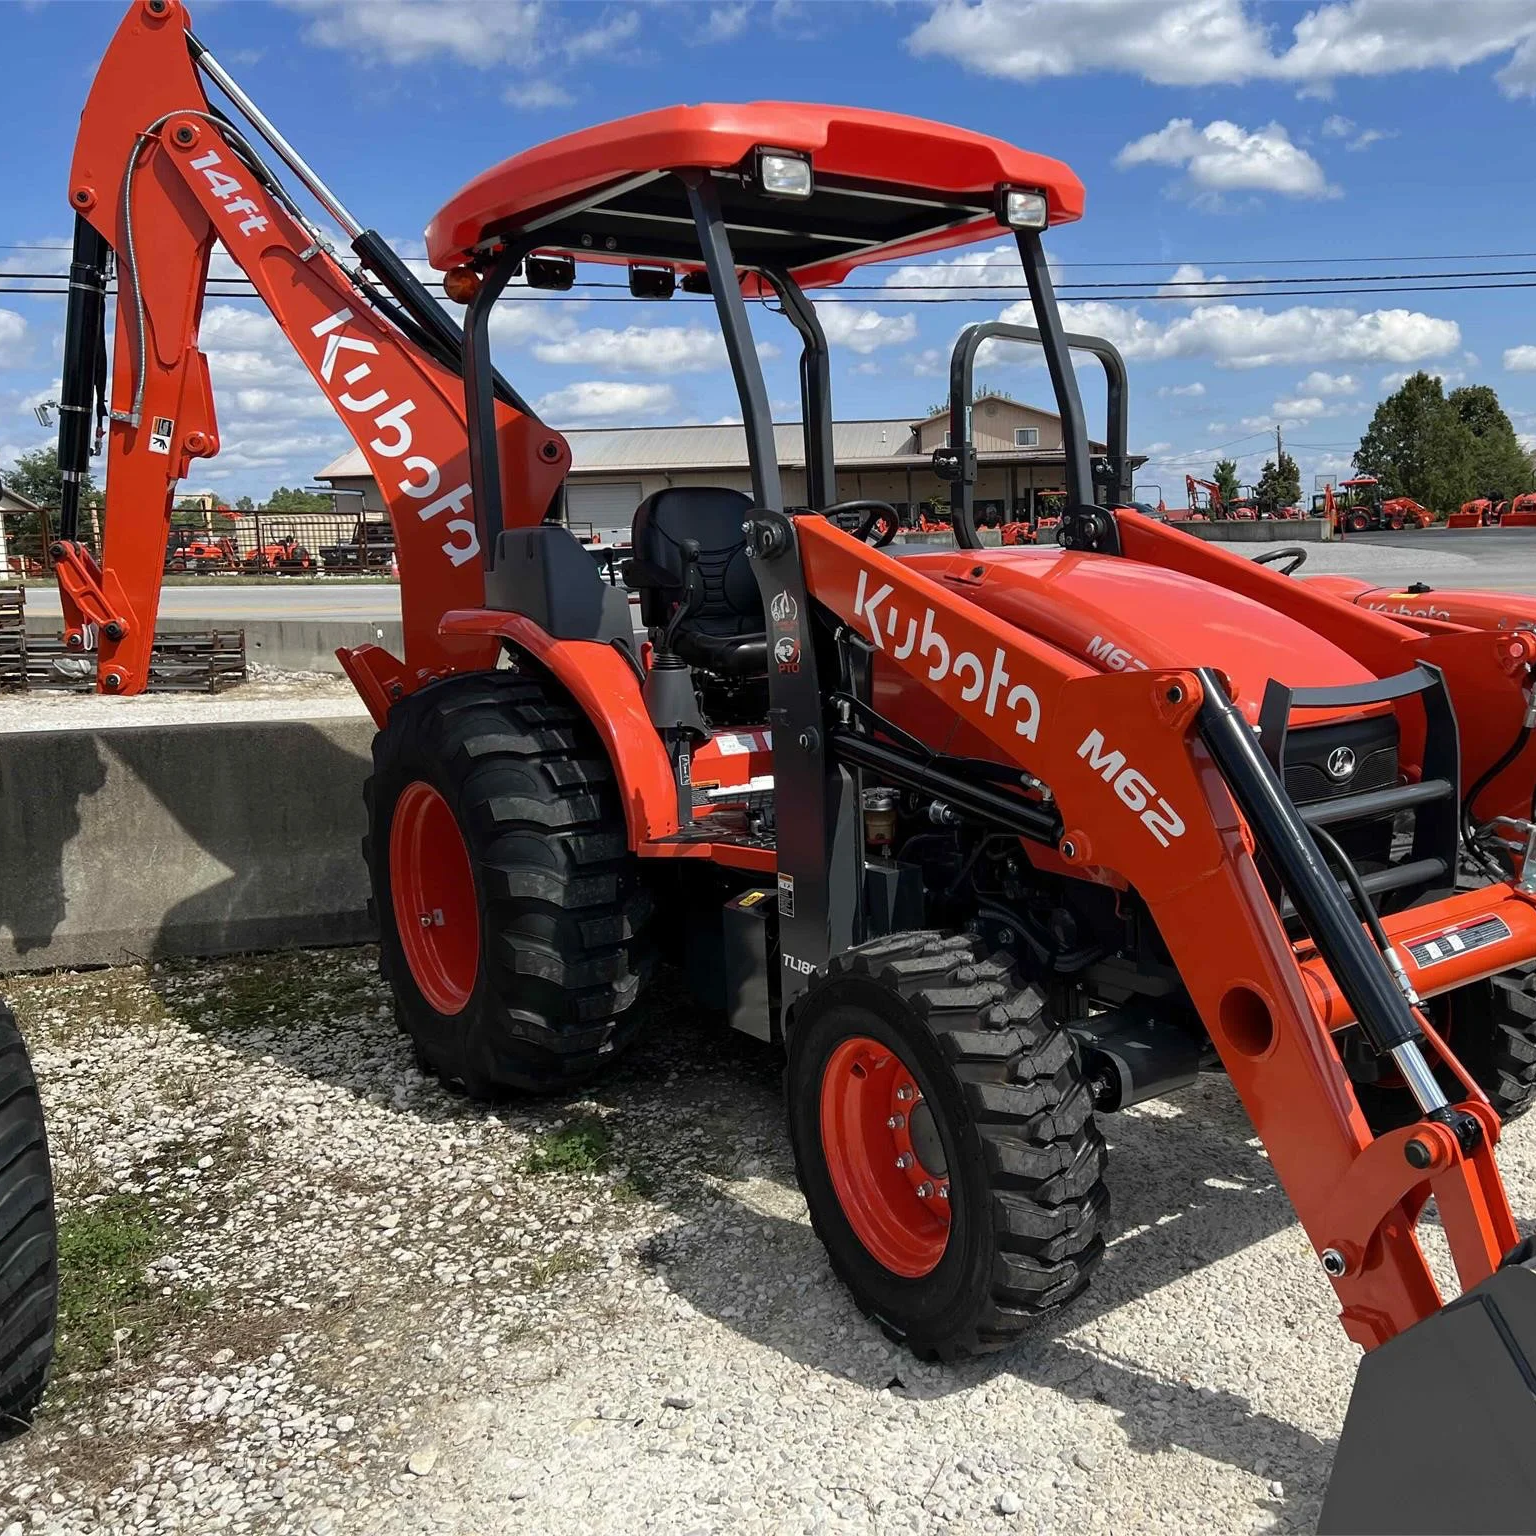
point(160, 432)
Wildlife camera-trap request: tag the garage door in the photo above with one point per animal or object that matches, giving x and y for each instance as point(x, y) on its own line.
point(608, 508)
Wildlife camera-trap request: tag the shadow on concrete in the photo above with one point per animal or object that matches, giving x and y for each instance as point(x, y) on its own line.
point(42, 793)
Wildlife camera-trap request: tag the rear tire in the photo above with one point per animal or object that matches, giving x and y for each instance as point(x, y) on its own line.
point(532, 950)
point(29, 1252)
point(1002, 1119)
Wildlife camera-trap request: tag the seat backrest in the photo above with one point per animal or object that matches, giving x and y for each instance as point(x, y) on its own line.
point(546, 575)
point(713, 516)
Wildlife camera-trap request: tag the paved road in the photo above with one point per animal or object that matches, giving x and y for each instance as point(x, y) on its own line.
point(1503, 559)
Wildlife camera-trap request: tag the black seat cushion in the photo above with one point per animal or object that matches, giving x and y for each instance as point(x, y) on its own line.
point(725, 630)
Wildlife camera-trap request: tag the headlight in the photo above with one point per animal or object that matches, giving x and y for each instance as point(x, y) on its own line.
point(1020, 209)
point(783, 175)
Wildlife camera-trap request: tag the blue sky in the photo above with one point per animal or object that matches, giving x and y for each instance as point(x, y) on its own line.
point(1215, 137)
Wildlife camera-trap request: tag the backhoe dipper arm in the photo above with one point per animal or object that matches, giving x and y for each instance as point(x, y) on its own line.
point(161, 176)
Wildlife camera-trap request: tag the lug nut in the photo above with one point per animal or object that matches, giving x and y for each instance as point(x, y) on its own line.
point(896, 1122)
point(943, 1191)
point(924, 1190)
point(905, 1160)
point(906, 1093)
point(425, 919)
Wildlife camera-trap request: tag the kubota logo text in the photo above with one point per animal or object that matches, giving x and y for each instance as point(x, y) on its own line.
point(1135, 789)
point(394, 439)
point(929, 642)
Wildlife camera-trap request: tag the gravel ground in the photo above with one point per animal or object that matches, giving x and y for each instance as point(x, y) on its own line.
point(309, 1291)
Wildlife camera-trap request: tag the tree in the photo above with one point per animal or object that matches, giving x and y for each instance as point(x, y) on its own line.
point(980, 392)
point(1225, 476)
point(36, 476)
point(1418, 445)
point(1500, 466)
point(296, 499)
point(1279, 484)
point(245, 504)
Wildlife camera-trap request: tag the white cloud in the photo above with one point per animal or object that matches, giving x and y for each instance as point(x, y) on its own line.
point(600, 400)
point(864, 330)
point(1223, 157)
point(1449, 377)
point(1190, 283)
point(1319, 383)
point(1210, 42)
point(1521, 359)
point(643, 349)
point(1304, 408)
point(725, 22)
point(597, 40)
point(535, 95)
point(13, 336)
point(1339, 127)
point(407, 31)
point(1241, 336)
point(997, 266)
point(1182, 391)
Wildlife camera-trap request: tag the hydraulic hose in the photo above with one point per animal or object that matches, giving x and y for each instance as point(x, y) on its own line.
point(1468, 826)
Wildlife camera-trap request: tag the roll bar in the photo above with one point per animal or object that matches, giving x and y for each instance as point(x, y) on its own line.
point(957, 463)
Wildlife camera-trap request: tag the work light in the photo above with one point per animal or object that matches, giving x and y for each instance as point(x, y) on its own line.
point(1021, 208)
point(782, 174)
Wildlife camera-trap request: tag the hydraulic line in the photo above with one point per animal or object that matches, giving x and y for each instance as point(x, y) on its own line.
point(1468, 826)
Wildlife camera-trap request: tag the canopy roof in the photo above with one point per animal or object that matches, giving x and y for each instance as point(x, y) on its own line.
point(886, 187)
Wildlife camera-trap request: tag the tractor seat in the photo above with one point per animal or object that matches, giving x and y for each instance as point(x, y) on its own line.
point(724, 631)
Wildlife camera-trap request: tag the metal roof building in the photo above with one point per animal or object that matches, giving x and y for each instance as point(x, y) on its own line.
point(1019, 452)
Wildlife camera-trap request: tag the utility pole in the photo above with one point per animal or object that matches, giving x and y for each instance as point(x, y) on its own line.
point(1279, 446)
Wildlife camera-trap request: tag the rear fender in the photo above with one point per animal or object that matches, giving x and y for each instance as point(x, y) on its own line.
point(605, 688)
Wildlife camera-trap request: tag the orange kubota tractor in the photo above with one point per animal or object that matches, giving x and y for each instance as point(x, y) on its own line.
point(995, 843)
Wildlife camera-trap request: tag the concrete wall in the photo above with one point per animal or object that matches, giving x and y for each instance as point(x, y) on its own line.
point(290, 645)
point(1301, 530)
point(179, 840)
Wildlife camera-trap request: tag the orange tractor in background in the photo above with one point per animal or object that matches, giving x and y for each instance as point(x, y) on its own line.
point(1491, 512)
point(991, 843)
point(1359, 505)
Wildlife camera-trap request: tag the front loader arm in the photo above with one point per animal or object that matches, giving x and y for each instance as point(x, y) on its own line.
point(161, 178)
point(1160, 785)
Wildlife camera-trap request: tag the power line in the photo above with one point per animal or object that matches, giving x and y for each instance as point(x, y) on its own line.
point(234, 288)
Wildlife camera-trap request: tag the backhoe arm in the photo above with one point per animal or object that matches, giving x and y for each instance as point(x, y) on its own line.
point(159, 176)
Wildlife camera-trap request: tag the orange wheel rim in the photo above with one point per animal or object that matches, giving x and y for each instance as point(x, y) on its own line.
point(884, 1157)
point(432, 888)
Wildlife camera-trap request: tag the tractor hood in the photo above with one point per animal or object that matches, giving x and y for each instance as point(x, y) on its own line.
point(1118, 615)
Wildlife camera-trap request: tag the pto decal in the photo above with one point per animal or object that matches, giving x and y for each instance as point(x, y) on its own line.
point(906, 634)
point(1134, 788)
point(423, 479)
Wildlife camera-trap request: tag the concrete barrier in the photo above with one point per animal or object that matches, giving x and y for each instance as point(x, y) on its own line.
point(181, 840)
point(1301, 530)
point(288, 645)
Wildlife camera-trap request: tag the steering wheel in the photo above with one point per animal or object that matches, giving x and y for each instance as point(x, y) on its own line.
point(1294, 555)
point(879, 514)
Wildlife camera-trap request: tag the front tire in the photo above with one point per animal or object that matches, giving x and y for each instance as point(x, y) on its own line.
point(29, 1245)
point(511, 915)
point(944, 1140)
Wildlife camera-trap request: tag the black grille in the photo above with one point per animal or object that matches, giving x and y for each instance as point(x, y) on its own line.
point(1373, 741)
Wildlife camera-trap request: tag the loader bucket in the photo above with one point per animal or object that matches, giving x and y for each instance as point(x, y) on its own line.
point(1441, 1430)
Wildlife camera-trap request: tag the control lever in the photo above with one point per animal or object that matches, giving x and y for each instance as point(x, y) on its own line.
point(689, 550)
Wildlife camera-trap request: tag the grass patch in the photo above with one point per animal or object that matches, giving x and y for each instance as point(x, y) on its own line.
point(273, 991)
point(638, 1184)
point(582, 1147)
point(544, 1272)
point(103, 1248)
